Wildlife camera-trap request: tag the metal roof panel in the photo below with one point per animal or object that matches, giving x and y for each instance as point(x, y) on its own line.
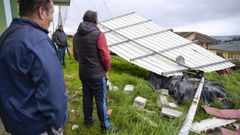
point(154, 48)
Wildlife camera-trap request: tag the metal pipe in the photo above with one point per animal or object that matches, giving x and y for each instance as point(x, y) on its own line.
point(192, 110)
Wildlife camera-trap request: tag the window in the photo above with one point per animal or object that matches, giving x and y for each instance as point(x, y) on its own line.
point(234, 55)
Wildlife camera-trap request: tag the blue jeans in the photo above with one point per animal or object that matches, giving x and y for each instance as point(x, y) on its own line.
point(61, 55)
point(95, 88)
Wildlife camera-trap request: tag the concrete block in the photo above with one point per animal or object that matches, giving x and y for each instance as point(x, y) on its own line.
point(115, 88)
point(140, 102)
point(165, 92)
point(162, 101)
point(171, 113)
point(158, 91)
point(172, 105)
point(129, 87)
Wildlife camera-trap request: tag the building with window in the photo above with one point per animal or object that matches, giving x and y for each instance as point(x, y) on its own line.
point(228, 50)
point(203, 40)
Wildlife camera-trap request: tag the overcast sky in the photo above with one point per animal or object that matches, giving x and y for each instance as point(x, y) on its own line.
point(211, 17)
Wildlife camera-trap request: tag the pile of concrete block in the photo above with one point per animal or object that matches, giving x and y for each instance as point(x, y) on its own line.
point(111, 87)
point(168, 109)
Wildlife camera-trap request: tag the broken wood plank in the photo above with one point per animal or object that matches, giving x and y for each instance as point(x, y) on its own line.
point(208, 124)
point(192, 110)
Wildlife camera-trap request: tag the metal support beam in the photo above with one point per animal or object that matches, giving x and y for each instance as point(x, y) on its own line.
point(192, 110)
point(14, 8)
point(215, 63)
point(172, 48)
point(127, 26)
point(132, 40)
point(117, 17)
point(8, 11)
point(202, 66)
point(137, 37)
point(62, 2)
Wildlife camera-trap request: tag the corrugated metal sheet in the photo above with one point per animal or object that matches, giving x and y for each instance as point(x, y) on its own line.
point(154, 48)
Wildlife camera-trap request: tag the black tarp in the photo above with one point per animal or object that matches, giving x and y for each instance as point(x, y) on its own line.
point(184, 87)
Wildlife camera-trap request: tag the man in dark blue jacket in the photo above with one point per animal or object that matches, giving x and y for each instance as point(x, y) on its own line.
point(33, 98)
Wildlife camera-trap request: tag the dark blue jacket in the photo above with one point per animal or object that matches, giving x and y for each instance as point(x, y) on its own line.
point(32, 90)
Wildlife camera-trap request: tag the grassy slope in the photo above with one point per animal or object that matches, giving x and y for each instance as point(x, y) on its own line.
point(125, 116)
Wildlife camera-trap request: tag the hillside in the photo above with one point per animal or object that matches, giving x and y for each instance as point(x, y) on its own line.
point(129, 119)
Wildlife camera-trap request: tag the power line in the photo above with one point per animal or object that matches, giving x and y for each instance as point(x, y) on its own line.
point(74, 4)
point(108, 9)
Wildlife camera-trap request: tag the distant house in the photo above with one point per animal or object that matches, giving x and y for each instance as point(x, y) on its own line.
point(204, 40)
point(227, 50)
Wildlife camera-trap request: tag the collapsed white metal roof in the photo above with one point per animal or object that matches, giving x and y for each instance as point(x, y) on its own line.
point(154, 48)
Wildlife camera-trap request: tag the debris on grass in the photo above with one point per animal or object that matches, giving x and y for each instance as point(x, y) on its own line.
point(109, 112)
point(171, 113)
point(162, 101)
point(165, 92)
point(223, 113)
point(72, 111)
point(140, 102)
point(129, 87)
point(162, 92)
point(226, 131)
point(237, 126)
point(75, 126)
point(184, 87)
point(172, 105)
point(210, 124)
point(111, 87)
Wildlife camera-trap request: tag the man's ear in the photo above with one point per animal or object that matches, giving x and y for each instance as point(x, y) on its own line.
point(41, 13)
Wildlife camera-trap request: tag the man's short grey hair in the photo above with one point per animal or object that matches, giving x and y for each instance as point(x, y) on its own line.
point(90, 16)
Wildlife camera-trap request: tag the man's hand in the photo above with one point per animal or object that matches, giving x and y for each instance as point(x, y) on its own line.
point(107, 76)
point(60, 130)
point(57, 131)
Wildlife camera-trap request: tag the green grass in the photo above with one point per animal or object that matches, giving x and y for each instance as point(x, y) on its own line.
point(128, 118)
